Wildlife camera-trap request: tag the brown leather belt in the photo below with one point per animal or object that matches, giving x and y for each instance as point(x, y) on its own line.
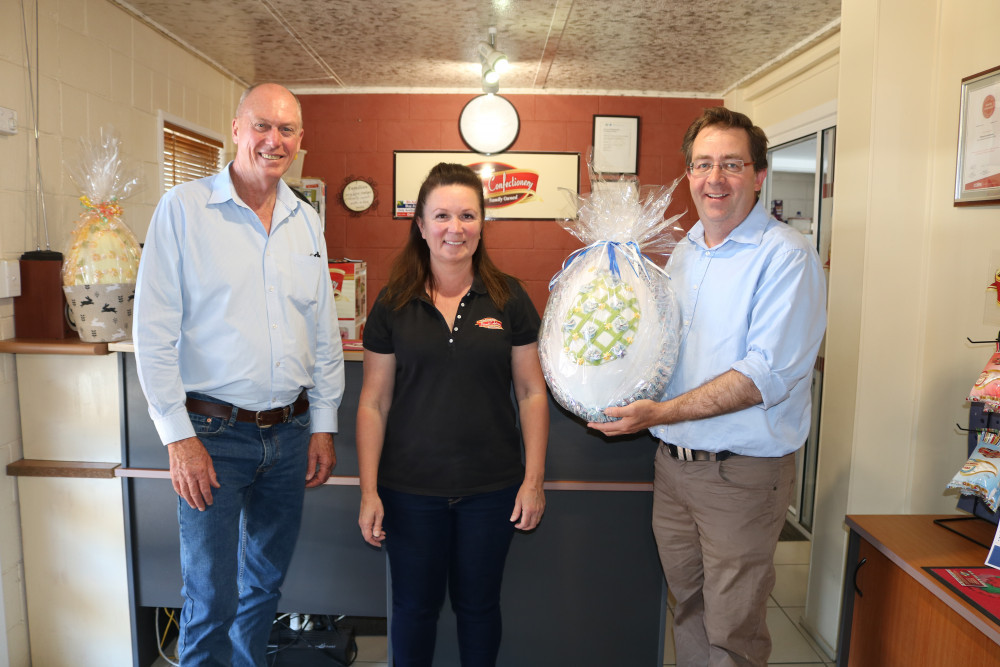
point(262, 418)
point(685, 454)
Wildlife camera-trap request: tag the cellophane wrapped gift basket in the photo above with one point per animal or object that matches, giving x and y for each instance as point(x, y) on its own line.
point(99, 270)
point(611, 329)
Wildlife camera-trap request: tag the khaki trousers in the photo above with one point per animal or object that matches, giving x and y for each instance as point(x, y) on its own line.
point(716, 526)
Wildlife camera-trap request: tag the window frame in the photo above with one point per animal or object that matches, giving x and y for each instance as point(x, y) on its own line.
point(169, 123)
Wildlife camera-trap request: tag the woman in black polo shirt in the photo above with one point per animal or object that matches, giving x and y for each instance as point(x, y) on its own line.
point(439, 449)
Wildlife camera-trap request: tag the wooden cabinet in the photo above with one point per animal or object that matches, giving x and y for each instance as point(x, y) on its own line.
point(895, 613)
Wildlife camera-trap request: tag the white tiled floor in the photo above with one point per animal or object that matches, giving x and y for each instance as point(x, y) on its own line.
point(372, 652)
point(792, 647)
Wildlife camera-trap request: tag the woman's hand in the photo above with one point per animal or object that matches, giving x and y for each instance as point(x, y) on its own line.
point(528, 506)
point(370, 519)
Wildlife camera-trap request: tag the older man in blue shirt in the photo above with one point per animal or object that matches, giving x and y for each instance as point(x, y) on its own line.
point(239, 356)
point(753, 310)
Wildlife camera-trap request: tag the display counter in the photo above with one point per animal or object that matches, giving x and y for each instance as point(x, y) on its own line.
point(591, 564)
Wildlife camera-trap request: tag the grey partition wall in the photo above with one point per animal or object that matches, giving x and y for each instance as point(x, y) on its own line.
point(585, 588)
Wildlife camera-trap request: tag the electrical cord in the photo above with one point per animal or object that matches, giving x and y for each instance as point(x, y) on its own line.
point(351, 652)
point(272, 655)
point(161, 639)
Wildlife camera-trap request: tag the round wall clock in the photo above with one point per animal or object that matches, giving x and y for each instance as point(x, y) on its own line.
point(489, 124)
point(358, 195)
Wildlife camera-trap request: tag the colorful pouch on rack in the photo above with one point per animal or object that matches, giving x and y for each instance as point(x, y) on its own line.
point(979, 475)
point(986, 389)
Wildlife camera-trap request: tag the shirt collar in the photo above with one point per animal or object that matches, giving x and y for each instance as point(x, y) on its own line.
point(477, 285)
point(223, 191)
point(750, 231)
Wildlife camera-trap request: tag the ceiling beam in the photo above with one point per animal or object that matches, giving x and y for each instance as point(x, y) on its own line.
point(560, 17)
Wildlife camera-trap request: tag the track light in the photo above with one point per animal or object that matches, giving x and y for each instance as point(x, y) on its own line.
point(491, 81)
point(494, 62)
point(492, 58)
point(490, 76)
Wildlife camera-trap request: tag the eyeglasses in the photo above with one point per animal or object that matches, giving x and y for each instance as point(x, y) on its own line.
point(703, 168)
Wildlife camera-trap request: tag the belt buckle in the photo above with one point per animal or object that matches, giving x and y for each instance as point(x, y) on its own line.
point(285, 414)
point(687, 454)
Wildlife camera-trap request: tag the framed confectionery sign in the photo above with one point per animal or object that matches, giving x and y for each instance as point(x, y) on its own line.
point(518, 186)
point(977, 176)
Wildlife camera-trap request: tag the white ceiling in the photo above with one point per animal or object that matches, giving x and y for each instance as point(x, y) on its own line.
point(649, 47)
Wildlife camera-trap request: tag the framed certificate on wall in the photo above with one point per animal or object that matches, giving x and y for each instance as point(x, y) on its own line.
point(977, 175)
point(616, 144)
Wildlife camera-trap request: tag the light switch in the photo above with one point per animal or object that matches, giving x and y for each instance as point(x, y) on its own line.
point(8, 121)
point(10, 278)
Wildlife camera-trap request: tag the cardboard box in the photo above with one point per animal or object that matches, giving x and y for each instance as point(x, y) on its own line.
point(351, 329)
point(350, 289)
point(314, 190)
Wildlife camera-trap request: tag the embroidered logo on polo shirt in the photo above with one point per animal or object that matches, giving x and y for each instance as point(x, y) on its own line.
point(490, 323)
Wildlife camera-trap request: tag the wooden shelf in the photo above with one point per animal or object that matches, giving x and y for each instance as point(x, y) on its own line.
point(79, 469)
point(52, 346)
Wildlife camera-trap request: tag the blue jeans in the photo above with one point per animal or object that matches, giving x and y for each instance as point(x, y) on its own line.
point(462, 543)
point(234, 555)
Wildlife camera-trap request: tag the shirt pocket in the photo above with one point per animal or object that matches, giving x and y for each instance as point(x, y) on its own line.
point(304, 275)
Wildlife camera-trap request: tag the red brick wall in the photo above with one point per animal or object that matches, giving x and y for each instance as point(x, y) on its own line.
point(355, 135)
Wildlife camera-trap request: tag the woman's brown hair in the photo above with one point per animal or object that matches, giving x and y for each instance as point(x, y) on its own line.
point(411, 271)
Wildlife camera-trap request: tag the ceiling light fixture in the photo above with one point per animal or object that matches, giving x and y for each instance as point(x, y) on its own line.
point(494, 62)
point(489, 124)
point(491, 81)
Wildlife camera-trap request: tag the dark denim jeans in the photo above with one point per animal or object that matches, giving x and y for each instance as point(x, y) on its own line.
point(234, 555)
point(434, 542)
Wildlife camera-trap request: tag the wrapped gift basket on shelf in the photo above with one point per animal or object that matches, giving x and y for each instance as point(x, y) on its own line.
point(611, 329)
point(100, 267)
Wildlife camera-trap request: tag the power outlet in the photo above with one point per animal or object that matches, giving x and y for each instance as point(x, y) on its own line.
point(10, 278)
point(8, 121)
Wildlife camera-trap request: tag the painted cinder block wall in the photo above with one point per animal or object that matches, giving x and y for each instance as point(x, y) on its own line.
point(355, 135)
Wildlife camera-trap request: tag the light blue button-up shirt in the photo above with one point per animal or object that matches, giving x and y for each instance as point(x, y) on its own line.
point(223, 308)
point(755, 303)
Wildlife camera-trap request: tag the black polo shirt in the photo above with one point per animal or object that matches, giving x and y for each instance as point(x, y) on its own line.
point(452, 426)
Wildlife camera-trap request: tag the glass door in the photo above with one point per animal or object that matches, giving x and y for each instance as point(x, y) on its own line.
point(799, 191)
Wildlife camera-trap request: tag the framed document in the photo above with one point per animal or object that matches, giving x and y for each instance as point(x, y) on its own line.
point(977, 175)
point(616, 144)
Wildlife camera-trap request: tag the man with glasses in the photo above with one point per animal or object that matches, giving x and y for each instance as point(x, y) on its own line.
point(752, 297)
